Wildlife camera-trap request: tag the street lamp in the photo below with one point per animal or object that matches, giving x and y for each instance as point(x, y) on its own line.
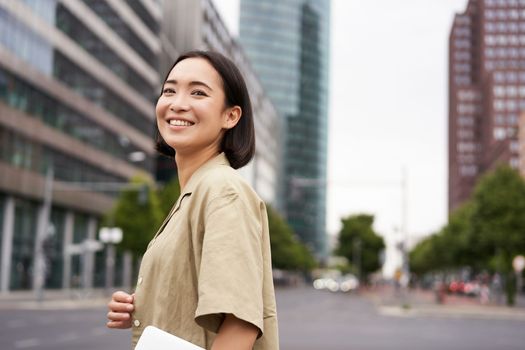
point(110, 236)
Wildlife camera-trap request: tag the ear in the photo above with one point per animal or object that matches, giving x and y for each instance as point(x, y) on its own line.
point(232, 117)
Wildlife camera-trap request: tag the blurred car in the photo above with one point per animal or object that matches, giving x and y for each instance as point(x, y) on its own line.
point(345, 283)
point(469, 288)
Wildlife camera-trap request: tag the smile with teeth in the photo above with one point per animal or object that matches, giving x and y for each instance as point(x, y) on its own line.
point(178, 122)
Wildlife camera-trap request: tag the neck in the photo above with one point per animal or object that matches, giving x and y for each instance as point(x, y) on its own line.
point(187, 164)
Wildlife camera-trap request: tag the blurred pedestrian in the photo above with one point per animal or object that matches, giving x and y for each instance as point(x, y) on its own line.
point(484, 294)
point(206, 275)
point(440, 291)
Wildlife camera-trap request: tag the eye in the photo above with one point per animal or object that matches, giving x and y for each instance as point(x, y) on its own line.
point(167, 91)
point(199, 93)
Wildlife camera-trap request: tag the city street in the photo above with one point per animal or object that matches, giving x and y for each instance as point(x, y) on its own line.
point(309, 320)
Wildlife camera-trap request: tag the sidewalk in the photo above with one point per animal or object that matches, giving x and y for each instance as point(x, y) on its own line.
point(58, 299)
point(421, 303)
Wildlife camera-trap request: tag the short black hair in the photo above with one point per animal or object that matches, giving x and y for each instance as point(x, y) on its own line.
point(238, 143)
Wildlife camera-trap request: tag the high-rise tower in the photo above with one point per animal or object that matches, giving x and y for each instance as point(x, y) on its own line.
point(288, 43)
point(486, 91)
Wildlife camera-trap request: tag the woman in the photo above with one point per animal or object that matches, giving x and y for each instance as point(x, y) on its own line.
point(206, 275)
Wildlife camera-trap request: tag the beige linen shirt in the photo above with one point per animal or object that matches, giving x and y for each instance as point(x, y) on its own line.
point(210, 257)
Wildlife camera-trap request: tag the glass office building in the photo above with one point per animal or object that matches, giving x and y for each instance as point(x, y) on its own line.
point(78, 80)
point(288, 45)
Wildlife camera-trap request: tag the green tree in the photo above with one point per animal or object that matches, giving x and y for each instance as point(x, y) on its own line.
point(288, 253)
point(498, 222)
point(137, 212)
point(168, 195)
point(360, 244)
point(485, 233)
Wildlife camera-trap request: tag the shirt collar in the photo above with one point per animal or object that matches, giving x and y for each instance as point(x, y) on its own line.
point(216, 161)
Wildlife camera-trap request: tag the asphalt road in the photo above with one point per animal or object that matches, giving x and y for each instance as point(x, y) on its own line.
point(308, 320)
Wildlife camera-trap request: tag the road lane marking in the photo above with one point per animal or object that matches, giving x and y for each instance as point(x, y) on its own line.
point(27, 343)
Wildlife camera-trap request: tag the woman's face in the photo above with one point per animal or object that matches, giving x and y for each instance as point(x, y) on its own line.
point(191, 113)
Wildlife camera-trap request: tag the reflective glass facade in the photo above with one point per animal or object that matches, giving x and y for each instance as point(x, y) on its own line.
point(80, 233)
point(71, 26)
point(288, 43)
point(20, 95)
point(53, 247)
point(54, 81)
point(23, 248)
point(21, 152)
point(144, 15)
point(25, 43)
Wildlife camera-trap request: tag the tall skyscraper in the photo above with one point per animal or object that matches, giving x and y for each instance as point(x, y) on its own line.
point(288, 43)
point(77, 83)
point(486, 91)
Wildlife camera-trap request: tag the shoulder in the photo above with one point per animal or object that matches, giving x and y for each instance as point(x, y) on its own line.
point(224, 180)
point(223, 186)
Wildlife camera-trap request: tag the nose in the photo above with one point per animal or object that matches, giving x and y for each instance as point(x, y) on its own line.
point(179, 103)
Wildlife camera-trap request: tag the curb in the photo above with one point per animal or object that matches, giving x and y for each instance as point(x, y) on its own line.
point(449, 312)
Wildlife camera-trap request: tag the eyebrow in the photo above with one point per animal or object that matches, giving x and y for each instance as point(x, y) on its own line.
point(192, 83)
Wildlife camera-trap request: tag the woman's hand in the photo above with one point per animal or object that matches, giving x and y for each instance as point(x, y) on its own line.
point(120, 309)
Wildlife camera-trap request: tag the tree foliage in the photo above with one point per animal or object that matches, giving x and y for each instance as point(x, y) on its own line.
point(360, 244)
point(484, 234)
point(168, 195)
point(138, 213)
point(288, 253)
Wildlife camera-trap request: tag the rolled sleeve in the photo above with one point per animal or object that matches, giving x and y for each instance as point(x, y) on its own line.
point(230, 279)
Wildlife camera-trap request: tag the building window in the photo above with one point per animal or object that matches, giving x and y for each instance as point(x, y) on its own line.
point(466, 147)
point(512, 91)
point(465, 121)
point(512, 77)
point(54, 246)
point(513, 27)
point(514, 163)
point(512, 105)
point(514, 146)
point(24, 237)
point(499, 133)
point(499, 91)
point(467, 95)
point(468, 170)
point(512, 119)
point(466, 108)
point(490, 40)
point(499, 105)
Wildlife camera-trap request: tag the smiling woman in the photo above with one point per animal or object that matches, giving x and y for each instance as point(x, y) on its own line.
point(216, 91)
point(206, 276)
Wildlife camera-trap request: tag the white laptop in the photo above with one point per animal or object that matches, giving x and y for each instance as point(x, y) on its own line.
point(154, 338)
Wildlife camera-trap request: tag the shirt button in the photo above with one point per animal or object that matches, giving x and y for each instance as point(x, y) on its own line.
point(140, 281)
point(136, 323)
